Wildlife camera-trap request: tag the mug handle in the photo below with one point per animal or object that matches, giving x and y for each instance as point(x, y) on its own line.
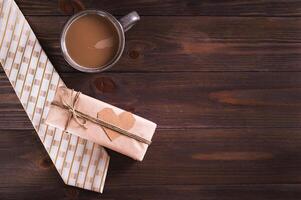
point(129, 20)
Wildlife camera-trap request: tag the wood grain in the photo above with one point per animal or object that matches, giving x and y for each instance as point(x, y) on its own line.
point(191, 192)
point(183, 100)
point(173, 7)
point(222, 80)
point(194, 44)
point(197, 157)
point(210, 163)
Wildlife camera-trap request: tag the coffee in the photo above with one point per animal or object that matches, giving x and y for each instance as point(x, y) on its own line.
point(92, 41)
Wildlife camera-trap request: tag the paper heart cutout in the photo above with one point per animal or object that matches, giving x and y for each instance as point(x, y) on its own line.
point(124, 120)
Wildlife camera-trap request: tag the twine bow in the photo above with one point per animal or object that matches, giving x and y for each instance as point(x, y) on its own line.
point(78, 115)
point(71, 109)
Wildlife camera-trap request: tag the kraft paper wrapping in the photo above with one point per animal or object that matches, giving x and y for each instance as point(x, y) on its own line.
point(58, 117)
point(80, 162)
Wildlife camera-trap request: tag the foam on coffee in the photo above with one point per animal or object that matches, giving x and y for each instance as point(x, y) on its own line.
point(92, 41)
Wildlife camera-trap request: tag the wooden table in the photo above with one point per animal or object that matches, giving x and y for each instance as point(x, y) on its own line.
point(221, 78)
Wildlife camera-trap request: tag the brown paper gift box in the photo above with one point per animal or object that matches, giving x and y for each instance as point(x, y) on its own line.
point(143, 128)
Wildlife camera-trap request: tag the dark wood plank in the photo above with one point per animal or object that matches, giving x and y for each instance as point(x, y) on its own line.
point(184, 100)
point(196, 192)
point(171, 7)
point(192, 163)
point(195, 44)
point(162, 192)
point(213, 156)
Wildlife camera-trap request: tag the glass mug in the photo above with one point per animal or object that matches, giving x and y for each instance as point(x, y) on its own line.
point(121, 26)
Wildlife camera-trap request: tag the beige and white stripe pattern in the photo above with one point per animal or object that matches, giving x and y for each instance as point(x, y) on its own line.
point(80, 162)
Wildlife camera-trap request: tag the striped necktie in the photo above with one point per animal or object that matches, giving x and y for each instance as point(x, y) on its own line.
point(80, 162)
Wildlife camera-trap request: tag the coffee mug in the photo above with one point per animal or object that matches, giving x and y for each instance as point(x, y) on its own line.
point(120, 26)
